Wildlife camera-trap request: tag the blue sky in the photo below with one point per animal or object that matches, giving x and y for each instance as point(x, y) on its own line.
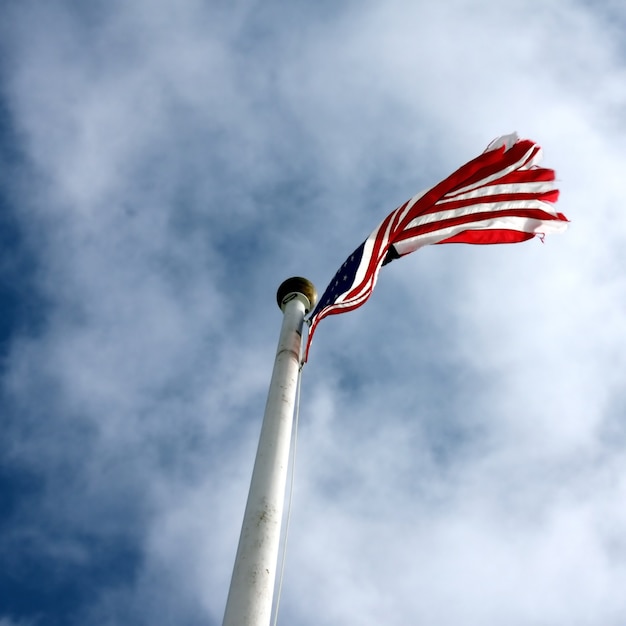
point(163, 168)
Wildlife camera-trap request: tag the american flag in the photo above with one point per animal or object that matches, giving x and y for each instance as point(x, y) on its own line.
point(501, 196)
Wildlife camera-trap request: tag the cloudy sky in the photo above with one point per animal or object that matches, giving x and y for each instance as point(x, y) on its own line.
point(164, 166)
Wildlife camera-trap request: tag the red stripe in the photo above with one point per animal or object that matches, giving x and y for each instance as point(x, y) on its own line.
point(378, 253)
point(494, 161)
point(521, 178)
point(423, 229)
point(488, 237)
point(483, 166)
point(534, 175)
point(461, 178)
point(545, 196)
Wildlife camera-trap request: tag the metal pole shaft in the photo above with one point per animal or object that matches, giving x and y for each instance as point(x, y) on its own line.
point(254, 573)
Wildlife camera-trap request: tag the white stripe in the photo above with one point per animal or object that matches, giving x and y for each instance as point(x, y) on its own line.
point(411, 203)
point(482, 207)
point(360, 273)
point(363, 293)
point(365, 259)
point(508, 141)
point(476, 188)
point(508, 189)
point(520, 224)
point(518, 166)
point(367, 252)
point(355, 300)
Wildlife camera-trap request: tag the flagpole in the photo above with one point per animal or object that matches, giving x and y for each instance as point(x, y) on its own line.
point(251, 590)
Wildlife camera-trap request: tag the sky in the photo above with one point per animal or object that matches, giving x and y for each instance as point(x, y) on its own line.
point(164, 166)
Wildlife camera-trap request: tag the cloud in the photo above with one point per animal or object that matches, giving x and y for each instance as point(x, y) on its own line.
point(460, 437)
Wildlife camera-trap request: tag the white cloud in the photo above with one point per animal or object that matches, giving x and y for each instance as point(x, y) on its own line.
point(460, 453)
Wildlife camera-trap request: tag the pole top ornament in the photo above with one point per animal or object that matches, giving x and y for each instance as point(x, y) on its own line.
point(297, 286)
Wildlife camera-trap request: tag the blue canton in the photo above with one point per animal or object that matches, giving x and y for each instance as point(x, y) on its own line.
point(343, 280)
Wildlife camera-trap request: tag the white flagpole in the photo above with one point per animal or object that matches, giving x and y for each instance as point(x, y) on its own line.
point(254, 573)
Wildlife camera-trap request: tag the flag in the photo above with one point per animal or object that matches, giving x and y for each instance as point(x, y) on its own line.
point(501, 196)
